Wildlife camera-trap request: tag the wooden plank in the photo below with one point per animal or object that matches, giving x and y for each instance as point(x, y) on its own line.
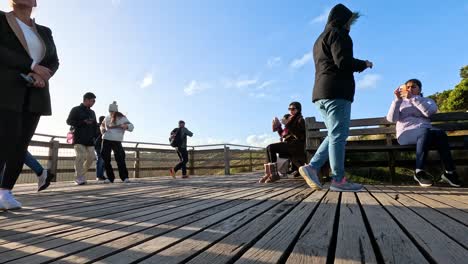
point(135, 229)
point(314, 242)
point(353, 243)
point(394, 245)
point(272, 246)
point(190, 246)
point(242, 239)
point(425, 208)
point(141, 244)
point(435, 244)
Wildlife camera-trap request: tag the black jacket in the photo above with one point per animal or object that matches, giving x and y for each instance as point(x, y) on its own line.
point(14, 59)
point(334, 61)
point(85, 134)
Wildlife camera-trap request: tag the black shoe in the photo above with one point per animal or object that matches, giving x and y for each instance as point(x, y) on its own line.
point(44, 180)
point(452, 179)
point(423, 179)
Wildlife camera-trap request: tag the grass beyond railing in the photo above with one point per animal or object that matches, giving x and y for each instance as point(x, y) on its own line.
point(146, 159)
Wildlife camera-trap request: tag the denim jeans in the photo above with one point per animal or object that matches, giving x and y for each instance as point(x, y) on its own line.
point(336, 114)
point(33, 164)
point(100, 166)
point(439, 139)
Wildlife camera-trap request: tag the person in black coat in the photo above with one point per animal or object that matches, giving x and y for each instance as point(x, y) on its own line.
point(25, 48)
point(292, 137)
point(333, 94)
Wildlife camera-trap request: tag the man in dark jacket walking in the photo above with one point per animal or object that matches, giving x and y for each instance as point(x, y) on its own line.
point(182, 132)
point(83, 121)
point(333, 94)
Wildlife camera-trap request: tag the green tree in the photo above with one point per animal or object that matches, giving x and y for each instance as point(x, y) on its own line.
point(455, 99)
point(464, 72)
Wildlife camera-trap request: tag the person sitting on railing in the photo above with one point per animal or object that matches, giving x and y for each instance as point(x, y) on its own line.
point(411, 112)
point(292, 143)
point(113, 129)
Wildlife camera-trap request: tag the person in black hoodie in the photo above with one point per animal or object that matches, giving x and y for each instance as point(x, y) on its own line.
point(333, 94)
point(83, 121)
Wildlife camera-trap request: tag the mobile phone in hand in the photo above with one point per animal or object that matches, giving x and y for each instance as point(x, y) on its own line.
point(28, 78)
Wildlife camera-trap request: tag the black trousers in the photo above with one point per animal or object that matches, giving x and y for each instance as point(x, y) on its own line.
point(119, 154)
point(16, 131)
point(292, 151)
point(183, 156)
point(439, 139)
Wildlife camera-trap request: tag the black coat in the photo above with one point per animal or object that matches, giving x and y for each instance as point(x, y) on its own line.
point(334, 61)
point(14, 59)
point(85, 134)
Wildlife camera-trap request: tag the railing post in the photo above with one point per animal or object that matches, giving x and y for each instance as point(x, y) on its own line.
point(227, 163)
point(192, 161)
point(53, 158)
point(136, 164)
point(250, 160)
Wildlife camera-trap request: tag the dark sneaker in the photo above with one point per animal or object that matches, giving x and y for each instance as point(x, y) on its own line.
point(310, 176)
point(185, 177)
point(295, 174)
point(44, 180)
point(346, 186)
point(423, 179)
point(452, 179)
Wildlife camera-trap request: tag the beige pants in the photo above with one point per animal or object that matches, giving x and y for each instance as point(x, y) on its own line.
point(85, 157)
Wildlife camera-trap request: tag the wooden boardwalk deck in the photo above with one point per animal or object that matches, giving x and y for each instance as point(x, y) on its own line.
point(232, 219)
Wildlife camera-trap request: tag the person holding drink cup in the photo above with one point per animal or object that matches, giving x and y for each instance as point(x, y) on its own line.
point(411, 112)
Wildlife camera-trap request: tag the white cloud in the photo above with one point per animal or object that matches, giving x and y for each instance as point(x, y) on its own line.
point(147, 81)
point(194, 87)
point(274, 61)
point(299, 63)
point(368, 81)
point(322, 17)
point(240, 82)
point(116, 2)
point(261, 140)
point(265, 84)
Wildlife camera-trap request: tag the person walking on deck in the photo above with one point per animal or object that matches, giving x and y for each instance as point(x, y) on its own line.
point(332, 95)
point(180, 135)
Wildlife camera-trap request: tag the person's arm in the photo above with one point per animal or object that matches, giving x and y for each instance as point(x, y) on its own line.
point(73, 118)
point(130, 126)
point(342, 52)
point(53, 62)
point(393, 114)
point(426, 106)
point(187, 132)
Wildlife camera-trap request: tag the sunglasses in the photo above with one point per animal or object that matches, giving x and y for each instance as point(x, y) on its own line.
point(292, 108)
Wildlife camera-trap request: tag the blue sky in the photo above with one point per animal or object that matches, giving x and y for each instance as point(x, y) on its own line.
point(228, 67)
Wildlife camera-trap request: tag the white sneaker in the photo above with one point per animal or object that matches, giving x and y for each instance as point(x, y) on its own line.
point(102, 181)
point(80, 180)
point(44, 180)
point(126, 180)
point(8, 201)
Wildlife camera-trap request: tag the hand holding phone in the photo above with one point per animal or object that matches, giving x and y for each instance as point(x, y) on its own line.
point(28, 78)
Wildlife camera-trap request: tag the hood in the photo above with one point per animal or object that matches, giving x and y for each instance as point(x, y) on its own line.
point(339, 16)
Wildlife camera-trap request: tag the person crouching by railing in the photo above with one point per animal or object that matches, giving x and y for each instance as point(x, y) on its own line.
point(411, 112)
point(113, 129)
point(293, 141)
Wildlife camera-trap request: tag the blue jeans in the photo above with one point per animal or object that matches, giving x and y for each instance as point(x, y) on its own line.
point(100, 167)
point(439, 139)
point(336, 114)
point(33, 164)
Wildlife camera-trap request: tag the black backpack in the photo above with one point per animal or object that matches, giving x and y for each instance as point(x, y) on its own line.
point(175, 139)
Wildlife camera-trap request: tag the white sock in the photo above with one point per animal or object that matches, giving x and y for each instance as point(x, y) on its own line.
point(418, 170)
point(449, 172)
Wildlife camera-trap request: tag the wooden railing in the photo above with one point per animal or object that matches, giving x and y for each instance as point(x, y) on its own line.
point(146, 159)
